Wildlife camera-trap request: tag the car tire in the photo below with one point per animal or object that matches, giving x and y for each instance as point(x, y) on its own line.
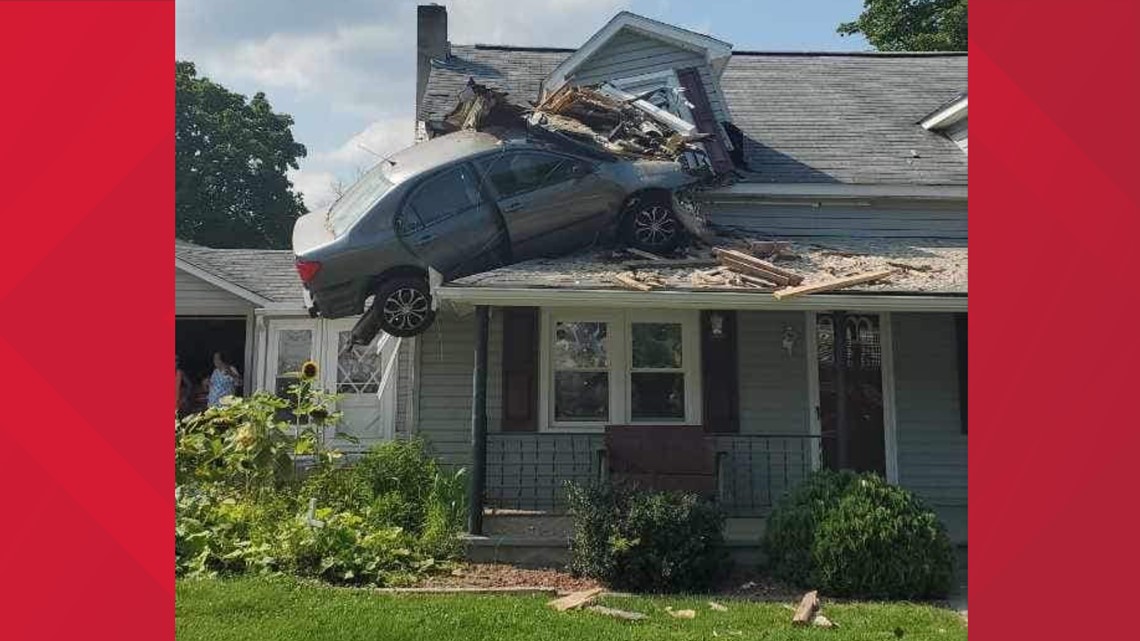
point(651, 225)
point(403, 306)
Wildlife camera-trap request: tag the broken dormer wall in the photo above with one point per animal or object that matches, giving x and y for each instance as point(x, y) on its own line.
point(629, 54)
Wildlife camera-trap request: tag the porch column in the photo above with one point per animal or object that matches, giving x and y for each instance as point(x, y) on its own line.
point(478, 423)
point(839, 360)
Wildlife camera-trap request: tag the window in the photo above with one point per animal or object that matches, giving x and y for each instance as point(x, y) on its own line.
point(581, 371)
point(441, 196)
point(512, 174)
point(359, 199)
point(619, 367)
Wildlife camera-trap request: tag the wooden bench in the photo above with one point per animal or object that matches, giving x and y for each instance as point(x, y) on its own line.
point(662, 457)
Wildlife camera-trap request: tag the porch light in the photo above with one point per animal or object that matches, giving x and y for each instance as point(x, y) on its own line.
point(716, 325)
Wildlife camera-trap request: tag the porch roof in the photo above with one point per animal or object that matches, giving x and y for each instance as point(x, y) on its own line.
point(924, 266)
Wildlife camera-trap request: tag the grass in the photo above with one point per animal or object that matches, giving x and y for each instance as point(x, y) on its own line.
point(283, 609)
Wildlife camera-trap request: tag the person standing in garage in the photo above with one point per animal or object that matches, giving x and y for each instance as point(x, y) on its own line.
point(224, 380)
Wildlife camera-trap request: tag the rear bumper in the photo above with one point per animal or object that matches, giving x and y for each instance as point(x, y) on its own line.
point(337, 301)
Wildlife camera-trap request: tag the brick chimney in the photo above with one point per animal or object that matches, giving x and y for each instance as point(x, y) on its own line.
point(431, 42)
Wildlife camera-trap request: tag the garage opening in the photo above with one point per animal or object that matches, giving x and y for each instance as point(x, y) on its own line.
point(195, 341)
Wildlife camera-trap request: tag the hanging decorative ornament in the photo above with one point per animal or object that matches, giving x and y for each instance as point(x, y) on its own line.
point(789, 341)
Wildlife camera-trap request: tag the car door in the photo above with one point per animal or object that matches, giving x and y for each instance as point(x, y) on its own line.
point(448, 223)
point(550, 202)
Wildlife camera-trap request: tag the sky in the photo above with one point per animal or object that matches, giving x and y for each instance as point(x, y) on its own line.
point(345, 69)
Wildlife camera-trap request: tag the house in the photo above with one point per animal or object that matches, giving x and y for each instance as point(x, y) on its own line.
point(248, 303)
point(542, 372)
point(859, 159)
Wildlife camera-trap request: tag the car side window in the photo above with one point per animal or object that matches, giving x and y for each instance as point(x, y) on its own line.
point(440, 196)
point(516, 173)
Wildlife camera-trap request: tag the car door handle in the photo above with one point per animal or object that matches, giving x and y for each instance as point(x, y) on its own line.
point(511, 207)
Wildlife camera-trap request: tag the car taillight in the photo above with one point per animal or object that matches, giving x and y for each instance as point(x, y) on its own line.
point(307, 269)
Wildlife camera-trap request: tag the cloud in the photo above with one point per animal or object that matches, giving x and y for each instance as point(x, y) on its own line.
point(379, 139)
point(318, 188)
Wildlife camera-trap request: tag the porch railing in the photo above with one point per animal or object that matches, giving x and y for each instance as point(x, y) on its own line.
point(529, 471)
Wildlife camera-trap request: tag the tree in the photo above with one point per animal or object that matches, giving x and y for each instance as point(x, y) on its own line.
point(911, 25)
point(231, 156)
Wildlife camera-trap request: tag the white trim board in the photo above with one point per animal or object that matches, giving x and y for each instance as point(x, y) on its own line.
point(716, 52)
point(676, 299)
point(221, 283)
point(840, 190)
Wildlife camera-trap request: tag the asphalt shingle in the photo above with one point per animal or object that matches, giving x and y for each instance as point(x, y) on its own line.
point(269, 273)
point(806, 117)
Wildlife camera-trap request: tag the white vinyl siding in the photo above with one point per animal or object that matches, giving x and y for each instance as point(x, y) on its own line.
point(195, 297)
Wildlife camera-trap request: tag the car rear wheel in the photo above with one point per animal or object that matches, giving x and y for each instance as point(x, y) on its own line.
point(652, 226)
point(403, 306)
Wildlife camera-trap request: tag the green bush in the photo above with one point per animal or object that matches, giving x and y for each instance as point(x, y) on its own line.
point(856, 535)
point(880, 541)
point(646, 541)
point(400, 476)
point(791, 527)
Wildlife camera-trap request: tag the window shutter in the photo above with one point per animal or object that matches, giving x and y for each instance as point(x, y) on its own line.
point(705, 120)
point(719, 374)
point(520, 369)
point(962, 334)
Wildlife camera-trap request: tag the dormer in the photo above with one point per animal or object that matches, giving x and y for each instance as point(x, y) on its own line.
point(672, 68)
point(950, 120)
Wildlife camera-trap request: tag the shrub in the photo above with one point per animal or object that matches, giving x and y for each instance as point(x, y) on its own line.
point(856, 535)
point(791, 527)
point(646, 541)
point(400, 476)
point(880, 541)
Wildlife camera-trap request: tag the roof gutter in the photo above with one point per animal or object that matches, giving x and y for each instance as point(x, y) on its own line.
point(688, 299)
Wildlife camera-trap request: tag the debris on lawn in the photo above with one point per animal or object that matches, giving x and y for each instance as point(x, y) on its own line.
point(681, 614)
point(617, 614)
point(713, 605)
point(809, 606)
point(575, 600)
point(821, 621)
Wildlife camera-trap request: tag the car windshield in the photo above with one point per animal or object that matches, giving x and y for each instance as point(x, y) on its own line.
point(359, 198)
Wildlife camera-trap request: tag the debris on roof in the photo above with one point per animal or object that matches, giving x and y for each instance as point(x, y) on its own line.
point(601, 117)
point(935, 266)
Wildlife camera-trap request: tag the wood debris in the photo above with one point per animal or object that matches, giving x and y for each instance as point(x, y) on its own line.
point(755, 267)
point(681, 614)
point(913, 268)
point(809, 606)
point(618, 614)
point(821, 621)
point(629, 281)
point(669, 263)
point(713, 605)
point(832, 285)
point(575, 600)
point(644, 254)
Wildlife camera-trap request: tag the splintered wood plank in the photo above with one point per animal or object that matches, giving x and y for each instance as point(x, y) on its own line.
point(617, 614)
point(752, 261)
point(644, 254)
point(575, 600)
point(752, 270)
point(807, 609)
point(832, 285)
point(629, 282)
point(670, 262)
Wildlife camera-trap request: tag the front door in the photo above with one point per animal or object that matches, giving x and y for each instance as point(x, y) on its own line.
point(851, 411)
point(355, 373)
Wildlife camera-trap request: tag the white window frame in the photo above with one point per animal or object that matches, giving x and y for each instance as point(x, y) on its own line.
point(269, 378)
point(618, 350)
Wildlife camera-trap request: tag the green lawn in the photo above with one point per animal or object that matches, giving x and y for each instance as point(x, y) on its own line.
point(268, 610)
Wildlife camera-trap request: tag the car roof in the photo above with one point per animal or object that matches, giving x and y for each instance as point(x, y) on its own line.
point(438, 151)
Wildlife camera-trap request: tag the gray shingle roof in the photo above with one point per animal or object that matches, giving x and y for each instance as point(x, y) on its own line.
point(267, 272)
point(806, 117)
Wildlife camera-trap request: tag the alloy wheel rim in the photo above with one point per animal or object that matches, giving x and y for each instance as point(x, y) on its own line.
point(654, 226)
point(406, 308)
